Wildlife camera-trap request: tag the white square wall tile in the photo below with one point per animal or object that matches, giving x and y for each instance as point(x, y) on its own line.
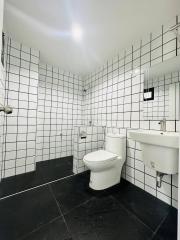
point(164, 198)
point(35, 52)
point(139, 184)
point(139, 165)
point(150, 190)
point(150, 181)
point(175, 180)
point(130, 171)
point(20, 170)
point(175, 203)
point(9, 172)
point(130, 179)
point(30, 168)
point(150, 172)
point(165, 189)
point(139, 176)
point(175, 193)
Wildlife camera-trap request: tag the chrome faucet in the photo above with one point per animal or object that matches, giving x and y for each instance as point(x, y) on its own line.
point(163, 125)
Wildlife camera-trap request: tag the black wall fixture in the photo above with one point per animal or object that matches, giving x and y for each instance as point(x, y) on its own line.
point(149, 94)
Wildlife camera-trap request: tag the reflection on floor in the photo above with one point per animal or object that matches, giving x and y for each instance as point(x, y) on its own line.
point(46, 171)
point(69, 210)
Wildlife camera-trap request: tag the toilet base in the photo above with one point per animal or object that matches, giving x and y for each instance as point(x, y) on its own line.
point(104, 179)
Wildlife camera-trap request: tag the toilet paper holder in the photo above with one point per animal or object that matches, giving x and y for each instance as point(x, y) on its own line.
point(83, 135)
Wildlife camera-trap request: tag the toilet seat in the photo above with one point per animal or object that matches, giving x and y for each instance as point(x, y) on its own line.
point(100, 156)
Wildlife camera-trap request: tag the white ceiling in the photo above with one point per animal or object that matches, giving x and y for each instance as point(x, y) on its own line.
point(108, 26)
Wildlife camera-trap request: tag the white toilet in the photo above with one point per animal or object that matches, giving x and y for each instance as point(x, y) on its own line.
point(106, 165)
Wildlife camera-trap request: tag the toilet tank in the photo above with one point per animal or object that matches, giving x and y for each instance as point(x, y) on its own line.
point(116, 143)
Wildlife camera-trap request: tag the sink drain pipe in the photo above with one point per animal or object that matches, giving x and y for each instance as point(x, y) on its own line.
point(159, 177)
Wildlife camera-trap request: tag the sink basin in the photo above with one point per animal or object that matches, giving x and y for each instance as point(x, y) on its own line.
point(166, 139)
point(160, 150)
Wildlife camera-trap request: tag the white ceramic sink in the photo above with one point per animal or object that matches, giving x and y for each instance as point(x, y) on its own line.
point(160, 150)
point(166, 139)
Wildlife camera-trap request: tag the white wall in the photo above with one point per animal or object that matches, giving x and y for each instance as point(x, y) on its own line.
point(1, 81)
point(46, 105)
point(59, 110)
point(1, 20)
point(92, 141)
point(114, 98)
point(21, 90)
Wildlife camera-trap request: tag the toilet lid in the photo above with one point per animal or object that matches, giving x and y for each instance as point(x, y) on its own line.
point(100, 155)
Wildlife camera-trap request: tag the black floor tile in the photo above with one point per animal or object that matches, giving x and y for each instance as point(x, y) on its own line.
point(146, 207)
point(46, 171)
point(121, 212)
point(20, 183)
point(72, 191)
point(103, 218)
point(24, 212)
point(168, 229)
point(55, 230)
point(55, 169)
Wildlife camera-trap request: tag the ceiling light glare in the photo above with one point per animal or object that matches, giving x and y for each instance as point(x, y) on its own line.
point(77, 32)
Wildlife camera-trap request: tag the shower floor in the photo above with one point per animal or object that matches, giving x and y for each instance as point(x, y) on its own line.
point(46, 171)
point(69, 210)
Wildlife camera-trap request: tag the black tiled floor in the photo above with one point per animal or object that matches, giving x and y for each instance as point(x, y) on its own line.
point(105, 219)
point(69, 210)
point(45, 172)
point(71, 192)
point(55, 230)
point(24, 212)
point(168, 229)
point(145, 206)
point(55, 169)
point(19, 183)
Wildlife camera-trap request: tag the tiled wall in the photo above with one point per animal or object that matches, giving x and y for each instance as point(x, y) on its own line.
point(2, 84)
point(114, 98)
point(21, 89)
point(161, 107)
point(2, 97)
point(59, 110)
point(46, 106)
point(86, 139)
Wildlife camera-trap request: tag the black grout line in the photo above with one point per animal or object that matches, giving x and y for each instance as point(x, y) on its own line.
point(132, 214)
point(171, 190)
point(79, 205)
point(158, 227)
point(176, 38)
point(59, 208)
point(54, 197)
point(40, 227)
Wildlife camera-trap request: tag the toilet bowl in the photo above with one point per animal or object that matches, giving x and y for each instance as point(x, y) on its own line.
point(106, 165)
